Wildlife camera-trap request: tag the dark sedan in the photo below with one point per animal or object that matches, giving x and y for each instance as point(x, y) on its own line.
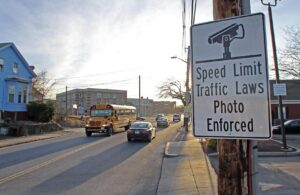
point(141, 131)
point(162, 122)
point(176, 117)
point(159, 116)
point(290, 126)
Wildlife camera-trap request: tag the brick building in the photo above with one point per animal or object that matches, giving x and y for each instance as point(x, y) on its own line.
point(79, 101)
point(146, 106)
point(166, 107)
point(290, 102)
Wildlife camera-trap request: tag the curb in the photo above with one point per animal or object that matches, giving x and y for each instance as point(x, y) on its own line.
point(280, 154)
point(167, 154)
point(18, 141)
point(213, 154)
point(270, 154)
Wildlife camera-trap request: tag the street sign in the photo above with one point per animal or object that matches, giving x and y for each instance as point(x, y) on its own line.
point(279, 89)
point(230, 85)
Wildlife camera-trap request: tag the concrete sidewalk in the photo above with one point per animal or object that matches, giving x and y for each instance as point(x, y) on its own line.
point(187, 170)
point(10, 141)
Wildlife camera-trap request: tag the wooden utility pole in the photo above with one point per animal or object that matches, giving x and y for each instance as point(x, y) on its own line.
point(139, 112)
point(66, 114)
point(232, 153)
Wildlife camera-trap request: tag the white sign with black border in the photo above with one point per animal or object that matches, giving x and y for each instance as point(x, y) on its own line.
point(230, 85)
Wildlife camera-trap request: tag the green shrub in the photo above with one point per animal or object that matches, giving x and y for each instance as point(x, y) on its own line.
point(212, 144)
point(40, 112)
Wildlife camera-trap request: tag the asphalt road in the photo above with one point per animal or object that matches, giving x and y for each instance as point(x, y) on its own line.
point(77, 164)
point(280, 175)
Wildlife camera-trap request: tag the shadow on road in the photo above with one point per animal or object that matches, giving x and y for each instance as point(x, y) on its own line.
point(21, 156)
point(274, 176)
point(89, 168)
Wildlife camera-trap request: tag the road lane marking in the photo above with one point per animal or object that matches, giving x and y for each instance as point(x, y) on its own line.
point(43, 164)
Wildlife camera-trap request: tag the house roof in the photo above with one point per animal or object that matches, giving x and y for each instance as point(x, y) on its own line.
point(3, 45)
point(12, 45)
point(292, 89)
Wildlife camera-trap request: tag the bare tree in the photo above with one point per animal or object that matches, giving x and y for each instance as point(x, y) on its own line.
point(42, 84)
point(172, 88)
point(289, 62)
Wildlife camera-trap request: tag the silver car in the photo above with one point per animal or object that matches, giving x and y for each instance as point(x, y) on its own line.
point(162, 122)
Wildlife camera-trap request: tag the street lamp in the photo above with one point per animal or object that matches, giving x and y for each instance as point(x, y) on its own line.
point(187, 71)
point(187, 93)
point(276, 69)
point(176, 57)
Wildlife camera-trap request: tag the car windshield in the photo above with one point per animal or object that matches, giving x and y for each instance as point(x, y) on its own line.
point(139, 126)
point(293, 122)
point(99, 113)
point(288, 122)
point(162, 119)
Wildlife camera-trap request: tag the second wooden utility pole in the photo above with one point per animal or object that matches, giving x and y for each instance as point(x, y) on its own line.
point(139, 112)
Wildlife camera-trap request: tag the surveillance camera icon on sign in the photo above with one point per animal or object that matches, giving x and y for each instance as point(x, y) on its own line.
point(226, 36)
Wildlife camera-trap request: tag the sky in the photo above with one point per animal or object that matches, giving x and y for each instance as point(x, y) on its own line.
point(107, 44)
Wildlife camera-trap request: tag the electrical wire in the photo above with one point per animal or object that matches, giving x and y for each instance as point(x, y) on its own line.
point(92, 75)
point(124, 81)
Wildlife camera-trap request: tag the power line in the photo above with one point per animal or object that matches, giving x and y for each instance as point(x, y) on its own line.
point(107, 73)
point(124, 81)
point(109, 83)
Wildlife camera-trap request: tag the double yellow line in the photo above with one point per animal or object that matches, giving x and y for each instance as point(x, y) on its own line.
point(43, 164)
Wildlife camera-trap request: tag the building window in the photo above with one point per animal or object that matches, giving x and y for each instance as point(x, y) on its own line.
point(20, 95)
point(106, 95)
point(11, 94)
point(99, 95)
point(15, 68)
point(284, 111)
point(1, 65)
point(25, 94)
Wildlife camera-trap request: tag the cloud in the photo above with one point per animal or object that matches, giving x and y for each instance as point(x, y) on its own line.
point(70, 38)
point(112, 40)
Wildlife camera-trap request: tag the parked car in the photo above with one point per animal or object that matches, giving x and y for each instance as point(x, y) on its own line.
point(141, 130)
point(159, 116)
point(162, 122)
point(176, 117)
point(291, 127)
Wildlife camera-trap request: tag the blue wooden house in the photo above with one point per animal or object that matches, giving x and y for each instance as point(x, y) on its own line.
point(15, 83)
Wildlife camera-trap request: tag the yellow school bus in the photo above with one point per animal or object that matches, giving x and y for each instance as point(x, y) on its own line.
point(109, 118)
